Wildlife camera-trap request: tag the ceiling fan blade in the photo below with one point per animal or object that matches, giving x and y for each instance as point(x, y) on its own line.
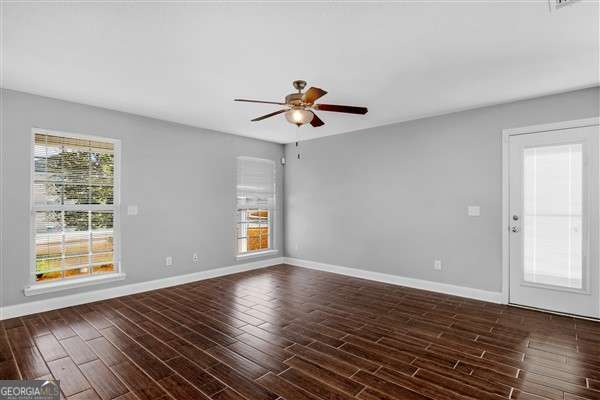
point(268, 115)
point(316, 121)
point(342, 109)
point(259, 101)
point(312, 94)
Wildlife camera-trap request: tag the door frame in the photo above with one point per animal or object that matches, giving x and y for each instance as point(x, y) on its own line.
point(506, 134)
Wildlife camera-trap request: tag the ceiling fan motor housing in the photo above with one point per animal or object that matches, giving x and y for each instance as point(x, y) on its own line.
point(294, 99)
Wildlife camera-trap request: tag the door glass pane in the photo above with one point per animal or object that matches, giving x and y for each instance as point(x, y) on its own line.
point(552, 221)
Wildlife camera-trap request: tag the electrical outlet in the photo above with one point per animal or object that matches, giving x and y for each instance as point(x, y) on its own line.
point(168, 261)
point(473, 211)
point(195, 258)
point(437, 265)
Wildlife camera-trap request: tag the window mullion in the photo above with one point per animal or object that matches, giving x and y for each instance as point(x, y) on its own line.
point(75, 207)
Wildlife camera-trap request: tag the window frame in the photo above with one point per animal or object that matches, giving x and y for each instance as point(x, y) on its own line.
point(35, 287)
point(272, 249)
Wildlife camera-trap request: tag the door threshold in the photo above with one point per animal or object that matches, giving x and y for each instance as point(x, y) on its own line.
point(554, 312)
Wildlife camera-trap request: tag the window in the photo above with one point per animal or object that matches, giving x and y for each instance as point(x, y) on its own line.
point(74, 207)
point(255, 205)
point(552, 215)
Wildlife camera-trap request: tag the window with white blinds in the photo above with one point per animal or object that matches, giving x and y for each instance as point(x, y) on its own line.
point(255, 204)
point(74, 206)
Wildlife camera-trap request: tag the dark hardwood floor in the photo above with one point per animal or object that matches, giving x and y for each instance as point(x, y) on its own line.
point(293, 333)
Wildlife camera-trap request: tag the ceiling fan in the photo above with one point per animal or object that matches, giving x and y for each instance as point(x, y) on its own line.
point(300, 106)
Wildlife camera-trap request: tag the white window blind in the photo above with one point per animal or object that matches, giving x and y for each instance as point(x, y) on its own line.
point(74, 214)
point(553, 210)
point(255, 204)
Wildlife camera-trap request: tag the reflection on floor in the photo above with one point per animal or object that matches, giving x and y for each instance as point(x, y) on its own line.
point(295, 333)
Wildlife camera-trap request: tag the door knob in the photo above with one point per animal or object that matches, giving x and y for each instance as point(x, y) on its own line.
point(515, 229)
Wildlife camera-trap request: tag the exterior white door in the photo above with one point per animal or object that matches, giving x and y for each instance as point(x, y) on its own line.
point(553, 220)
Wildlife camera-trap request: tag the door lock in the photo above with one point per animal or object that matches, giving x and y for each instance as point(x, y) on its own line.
point(515, 229)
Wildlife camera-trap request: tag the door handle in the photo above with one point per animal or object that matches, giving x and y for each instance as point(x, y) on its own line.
point(515, 229)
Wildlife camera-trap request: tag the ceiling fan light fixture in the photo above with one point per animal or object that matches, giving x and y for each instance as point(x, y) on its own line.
point(299, 106)
point(299, 116)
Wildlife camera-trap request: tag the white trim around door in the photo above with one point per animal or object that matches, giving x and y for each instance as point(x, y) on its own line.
point(506, 134)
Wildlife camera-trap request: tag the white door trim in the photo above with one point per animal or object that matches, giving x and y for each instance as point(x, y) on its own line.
point(506, 133)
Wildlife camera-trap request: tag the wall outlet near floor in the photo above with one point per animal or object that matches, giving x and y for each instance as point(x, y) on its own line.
point(168, 261)
point(437, 265)
point(195, 258)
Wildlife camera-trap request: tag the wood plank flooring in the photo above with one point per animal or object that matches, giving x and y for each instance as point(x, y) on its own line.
point(291, 333)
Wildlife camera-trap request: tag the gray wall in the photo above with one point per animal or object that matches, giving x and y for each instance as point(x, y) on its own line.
point(182, 178)
point(394, 198)
point(388, 199)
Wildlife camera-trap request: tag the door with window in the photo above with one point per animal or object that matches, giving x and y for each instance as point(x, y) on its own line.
point(553, 220)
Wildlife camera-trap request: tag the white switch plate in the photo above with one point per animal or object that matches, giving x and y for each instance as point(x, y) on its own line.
point(132, 210)
point(168, 261)
point(437, 265)
point(195, 258)
point(473, 211)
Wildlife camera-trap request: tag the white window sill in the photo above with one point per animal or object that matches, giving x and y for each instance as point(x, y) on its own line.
point(49, 287)
point(256, 254)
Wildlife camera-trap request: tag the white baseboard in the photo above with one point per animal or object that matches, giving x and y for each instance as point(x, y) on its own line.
point(33, 307)
point(477, 294)
point(103, 294)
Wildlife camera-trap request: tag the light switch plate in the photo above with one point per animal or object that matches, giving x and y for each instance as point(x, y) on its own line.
point(473, 211)
point(132, 210)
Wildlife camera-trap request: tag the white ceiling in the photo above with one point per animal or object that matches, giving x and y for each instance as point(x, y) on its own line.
point(185, 62)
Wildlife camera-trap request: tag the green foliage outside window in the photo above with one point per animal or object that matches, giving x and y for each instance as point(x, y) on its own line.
point(80, 177)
